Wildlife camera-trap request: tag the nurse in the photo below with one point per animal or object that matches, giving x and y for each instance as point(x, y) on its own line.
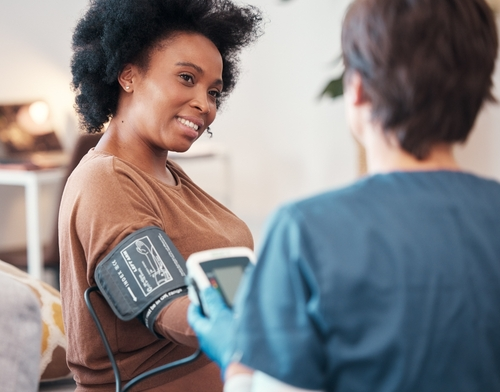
point(391, 283)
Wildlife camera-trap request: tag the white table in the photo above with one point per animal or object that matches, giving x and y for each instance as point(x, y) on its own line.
point(31, 181)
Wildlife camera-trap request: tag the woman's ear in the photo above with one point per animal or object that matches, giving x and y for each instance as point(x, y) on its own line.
point(353, 87)
point(126, 78)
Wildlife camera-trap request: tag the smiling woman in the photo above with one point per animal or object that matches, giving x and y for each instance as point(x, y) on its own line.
point(180, 88)
point(156, 71)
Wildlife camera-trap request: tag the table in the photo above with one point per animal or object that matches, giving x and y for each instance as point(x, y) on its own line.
point(31, 181)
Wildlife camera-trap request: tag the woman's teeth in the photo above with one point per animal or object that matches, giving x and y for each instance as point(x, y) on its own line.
point(188, 123)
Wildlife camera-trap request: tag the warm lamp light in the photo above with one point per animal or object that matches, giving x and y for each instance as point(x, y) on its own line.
point(39, 112)
point(34, 118)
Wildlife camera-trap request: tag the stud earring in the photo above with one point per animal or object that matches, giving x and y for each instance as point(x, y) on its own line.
point(127, 87)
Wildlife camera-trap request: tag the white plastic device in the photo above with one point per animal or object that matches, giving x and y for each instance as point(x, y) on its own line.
point(220, 268)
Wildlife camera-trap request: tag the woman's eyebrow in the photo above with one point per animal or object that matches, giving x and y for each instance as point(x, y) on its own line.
point(188, 64)
point(197, 68)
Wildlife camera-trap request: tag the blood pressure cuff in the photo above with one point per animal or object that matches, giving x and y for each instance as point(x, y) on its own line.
point(141, 275)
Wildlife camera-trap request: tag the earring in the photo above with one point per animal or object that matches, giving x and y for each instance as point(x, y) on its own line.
point(127, 87)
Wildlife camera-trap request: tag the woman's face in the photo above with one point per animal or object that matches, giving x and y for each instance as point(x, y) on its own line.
point(174, 101)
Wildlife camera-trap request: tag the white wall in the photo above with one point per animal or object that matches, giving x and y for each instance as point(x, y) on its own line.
point(481, 153)
point(283, 142)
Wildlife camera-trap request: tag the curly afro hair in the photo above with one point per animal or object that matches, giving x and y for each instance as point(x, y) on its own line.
point(113, 33)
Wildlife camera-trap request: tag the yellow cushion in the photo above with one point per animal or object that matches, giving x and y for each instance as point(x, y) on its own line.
point(53, 361)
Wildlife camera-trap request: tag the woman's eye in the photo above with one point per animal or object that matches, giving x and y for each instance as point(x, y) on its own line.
point(187, 78)
point(216, 94)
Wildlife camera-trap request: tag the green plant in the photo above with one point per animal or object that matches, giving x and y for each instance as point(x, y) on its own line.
point(335, 87)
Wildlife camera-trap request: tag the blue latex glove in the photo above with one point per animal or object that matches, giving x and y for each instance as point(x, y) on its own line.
point(214, 333)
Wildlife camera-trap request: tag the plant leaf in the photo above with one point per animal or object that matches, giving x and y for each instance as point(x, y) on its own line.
point(335, 88)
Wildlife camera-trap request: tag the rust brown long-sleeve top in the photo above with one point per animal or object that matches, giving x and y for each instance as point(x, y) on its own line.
point(104, 200)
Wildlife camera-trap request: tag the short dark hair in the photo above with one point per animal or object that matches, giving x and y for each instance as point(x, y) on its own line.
point(113, 33)
point(426, 65)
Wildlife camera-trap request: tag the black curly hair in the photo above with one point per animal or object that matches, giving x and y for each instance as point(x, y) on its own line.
point(113, 33)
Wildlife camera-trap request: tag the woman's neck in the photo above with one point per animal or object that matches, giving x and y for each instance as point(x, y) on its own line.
point(124, 145)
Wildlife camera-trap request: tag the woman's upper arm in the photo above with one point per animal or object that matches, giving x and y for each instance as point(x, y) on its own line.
point(172, 323)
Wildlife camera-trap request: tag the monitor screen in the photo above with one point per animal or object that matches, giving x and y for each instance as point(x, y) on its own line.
point(225, 275)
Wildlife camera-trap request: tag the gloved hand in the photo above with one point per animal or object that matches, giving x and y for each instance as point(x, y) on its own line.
point(214, 333)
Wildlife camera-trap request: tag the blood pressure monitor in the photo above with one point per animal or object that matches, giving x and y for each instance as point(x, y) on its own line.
point(220, 268)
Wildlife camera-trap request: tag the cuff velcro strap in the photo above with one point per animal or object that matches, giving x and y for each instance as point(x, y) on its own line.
point(142, 269)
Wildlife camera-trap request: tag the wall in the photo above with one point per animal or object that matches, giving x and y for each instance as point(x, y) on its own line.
point(35, 41)
point(481, 152)
point(281, 140)
point(285, 141)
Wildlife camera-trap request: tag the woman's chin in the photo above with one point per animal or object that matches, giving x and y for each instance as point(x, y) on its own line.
point(181, 149)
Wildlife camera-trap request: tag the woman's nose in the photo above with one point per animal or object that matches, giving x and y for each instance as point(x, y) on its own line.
point(201, 102)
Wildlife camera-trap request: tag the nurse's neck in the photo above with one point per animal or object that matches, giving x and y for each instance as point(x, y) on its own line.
point(385, 155)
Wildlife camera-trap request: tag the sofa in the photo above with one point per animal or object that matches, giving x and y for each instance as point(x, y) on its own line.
point(32, 338)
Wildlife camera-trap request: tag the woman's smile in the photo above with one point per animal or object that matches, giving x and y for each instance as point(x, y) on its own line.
point(188, 123)
point(192, 128)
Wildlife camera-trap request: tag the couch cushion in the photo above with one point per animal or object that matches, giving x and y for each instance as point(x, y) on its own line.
point(53, 346)
point(20, 333)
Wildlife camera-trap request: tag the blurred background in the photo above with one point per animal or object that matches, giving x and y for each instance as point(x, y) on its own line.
point(275, 139)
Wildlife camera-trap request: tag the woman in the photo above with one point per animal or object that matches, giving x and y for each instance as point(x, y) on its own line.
point(157, 71)
point(392, 283)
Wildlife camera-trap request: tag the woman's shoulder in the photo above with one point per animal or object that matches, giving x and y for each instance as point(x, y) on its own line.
point(94, 164)
point(104, 174)
point(105, 187)
point(97, 166)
